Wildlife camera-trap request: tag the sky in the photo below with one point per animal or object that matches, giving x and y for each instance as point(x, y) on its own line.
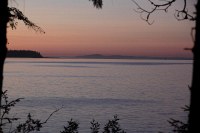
point(75, 27)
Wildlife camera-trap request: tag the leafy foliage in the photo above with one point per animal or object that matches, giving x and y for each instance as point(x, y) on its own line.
point(97, 3)
point(15, 14)
point(5, 108)
point(113, 126)
point(28, 126)
point(179, 126)
point(72, 127)
point(34, 125)
point(95, 126)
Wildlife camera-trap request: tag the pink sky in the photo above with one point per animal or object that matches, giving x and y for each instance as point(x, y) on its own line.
point(76, 28)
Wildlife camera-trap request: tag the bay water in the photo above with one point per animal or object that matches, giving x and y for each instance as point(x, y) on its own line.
point(143, 93)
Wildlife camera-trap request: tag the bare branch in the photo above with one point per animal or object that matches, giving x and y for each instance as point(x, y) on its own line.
point(51, 115)
point(179, 14)
point(183, 14)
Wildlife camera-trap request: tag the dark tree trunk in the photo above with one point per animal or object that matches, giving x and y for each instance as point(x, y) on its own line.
point(3, 39)
point(194, 115)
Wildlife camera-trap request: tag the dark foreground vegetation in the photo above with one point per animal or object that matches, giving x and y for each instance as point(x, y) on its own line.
point(24, 54)
point(35, 125)
point(9, 15)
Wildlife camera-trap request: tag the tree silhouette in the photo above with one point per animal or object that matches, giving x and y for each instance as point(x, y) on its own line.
point(8, 17)
point(194, 115)
point(3, 39)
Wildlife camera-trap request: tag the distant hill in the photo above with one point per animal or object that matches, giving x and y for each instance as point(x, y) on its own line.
point(99, 56)
point(24, 54)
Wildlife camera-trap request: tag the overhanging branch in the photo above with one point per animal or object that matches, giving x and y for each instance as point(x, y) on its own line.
point(179, 14)
point(16, 14)
point(97, 3)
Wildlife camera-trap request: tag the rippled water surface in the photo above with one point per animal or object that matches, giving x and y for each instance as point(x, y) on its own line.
point(143, 93)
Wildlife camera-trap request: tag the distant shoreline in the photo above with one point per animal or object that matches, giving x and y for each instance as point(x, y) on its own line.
point(35, 54)
point(99, 56)
point(24, 54)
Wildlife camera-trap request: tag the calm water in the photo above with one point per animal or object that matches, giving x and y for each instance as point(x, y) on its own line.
point(144, 93)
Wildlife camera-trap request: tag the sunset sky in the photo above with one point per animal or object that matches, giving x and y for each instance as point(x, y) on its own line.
point(75, 27)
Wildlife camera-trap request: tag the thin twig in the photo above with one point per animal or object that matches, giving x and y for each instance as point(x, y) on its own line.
point(51, 115)
point(179, 14)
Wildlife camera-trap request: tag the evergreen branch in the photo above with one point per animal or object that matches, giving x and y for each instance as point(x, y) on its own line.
point(97, 3)
point(15, 13)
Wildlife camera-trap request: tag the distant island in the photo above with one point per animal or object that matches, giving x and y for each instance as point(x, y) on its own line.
point(24, 54)
point(99, 56)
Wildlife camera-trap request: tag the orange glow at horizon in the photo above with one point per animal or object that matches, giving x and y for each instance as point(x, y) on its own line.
point(79, 29)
